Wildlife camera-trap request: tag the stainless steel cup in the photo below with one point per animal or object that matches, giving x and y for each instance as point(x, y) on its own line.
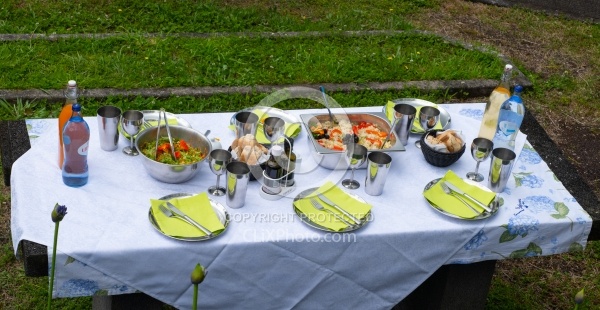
point(500, 168)
point(245, 123)
point(238, 175)
point(404, 116)
point(108, 122)
point(378, 166)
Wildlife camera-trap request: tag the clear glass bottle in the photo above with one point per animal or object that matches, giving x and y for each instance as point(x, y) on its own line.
point(489, 122)
point(76, 138)
point(65, 115)
point(510, 118)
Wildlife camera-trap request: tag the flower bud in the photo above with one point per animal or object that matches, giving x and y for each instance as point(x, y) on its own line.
point(198, 274)
point(58, 213)
point(579, 297)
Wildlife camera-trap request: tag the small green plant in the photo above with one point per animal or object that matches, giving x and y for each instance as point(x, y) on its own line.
point(17, 111)
point(197, 277)
point(58, 213)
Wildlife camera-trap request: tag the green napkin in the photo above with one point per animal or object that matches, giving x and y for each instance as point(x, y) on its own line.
point(389, 112)
point(197, 207)
point(148, 124)
point(341, 198)
point(453, 205)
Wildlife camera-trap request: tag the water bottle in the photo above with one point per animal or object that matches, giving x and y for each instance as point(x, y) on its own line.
point(510, 118)
point(501, 93)
point(76, 138)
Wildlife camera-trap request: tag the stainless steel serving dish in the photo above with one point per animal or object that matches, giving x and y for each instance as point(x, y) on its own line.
point(173, 173)
point(331, 159)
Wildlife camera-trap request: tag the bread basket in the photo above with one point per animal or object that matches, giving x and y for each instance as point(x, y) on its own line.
point(439, 159)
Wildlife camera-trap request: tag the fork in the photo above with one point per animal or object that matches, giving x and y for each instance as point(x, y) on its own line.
point(170, 213)
point(448, 191)
point(320, 207)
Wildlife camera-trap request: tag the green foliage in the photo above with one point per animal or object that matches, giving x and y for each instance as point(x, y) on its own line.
point(19, 110)
point(202, 16)
point(136, 61)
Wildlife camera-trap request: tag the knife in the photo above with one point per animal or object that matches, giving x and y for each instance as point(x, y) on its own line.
point(329, 202)
point(189, 219)
point(462, 193)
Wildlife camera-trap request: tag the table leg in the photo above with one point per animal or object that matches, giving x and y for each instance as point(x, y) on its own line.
point(453, 287)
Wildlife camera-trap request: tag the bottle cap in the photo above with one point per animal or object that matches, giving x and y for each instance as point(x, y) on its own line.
point(76, 107)
point(276, 150)
point(508, 67)
point(518, 88)
point(72, 83)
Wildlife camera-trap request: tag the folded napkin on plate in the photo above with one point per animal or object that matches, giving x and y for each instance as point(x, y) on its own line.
point(338, 196)
point(197, 207)
point(389, 112)
point(453, 205)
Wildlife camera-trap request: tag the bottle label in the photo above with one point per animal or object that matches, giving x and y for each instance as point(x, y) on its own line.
point(507, 128)
point(83, 149)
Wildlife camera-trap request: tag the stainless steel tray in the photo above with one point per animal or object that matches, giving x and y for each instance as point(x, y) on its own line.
point(332, 159)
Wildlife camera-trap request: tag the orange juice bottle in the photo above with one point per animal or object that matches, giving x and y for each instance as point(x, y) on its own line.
point(65, 115)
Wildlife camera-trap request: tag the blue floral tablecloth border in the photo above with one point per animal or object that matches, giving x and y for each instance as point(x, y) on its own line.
point(543, 199)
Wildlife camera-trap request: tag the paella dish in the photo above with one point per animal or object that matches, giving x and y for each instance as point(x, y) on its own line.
point(335, 136)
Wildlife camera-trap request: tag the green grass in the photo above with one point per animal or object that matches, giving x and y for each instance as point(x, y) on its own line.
point(134, 61)
point(64, 17)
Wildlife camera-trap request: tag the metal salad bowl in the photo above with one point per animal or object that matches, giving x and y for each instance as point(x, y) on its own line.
point(173, 173)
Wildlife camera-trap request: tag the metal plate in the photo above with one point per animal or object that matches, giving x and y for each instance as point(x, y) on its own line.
point(152, 115)
point(494, 205)
point(305, 219)
point(445, 118)
point(270, 111)
point(217, 207)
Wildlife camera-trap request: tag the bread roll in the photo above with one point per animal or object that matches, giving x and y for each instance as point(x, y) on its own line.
point(248, 150)
point(450, 138)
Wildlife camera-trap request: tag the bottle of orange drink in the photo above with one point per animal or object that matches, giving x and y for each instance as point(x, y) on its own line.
point(65, 115)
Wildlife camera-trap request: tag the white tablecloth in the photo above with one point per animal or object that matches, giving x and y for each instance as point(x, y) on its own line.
point(268, 258)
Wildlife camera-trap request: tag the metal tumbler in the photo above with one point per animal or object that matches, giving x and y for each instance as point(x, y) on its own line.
point(238, 175)
point(500, 168)
point(404, 117)
point(245, 123)
point(108, 122)
point(378, 166)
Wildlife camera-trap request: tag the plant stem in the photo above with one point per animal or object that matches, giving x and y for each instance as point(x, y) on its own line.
point(51, 286)
point(195, 303)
